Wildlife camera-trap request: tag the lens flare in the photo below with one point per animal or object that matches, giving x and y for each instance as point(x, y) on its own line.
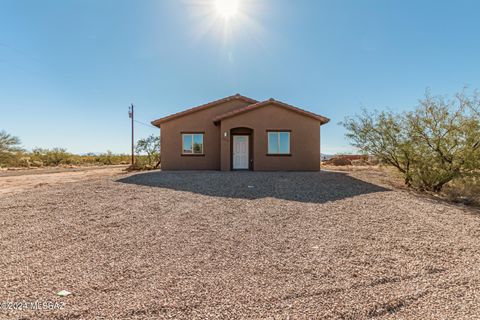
point(227, 8)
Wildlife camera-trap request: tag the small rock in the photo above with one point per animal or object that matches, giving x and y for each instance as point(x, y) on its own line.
point(63, 293)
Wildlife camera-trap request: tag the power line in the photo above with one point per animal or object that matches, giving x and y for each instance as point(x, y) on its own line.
point(145, 124)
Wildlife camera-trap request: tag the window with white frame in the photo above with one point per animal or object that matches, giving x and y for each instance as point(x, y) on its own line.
point(192, 143)
point(278, 142)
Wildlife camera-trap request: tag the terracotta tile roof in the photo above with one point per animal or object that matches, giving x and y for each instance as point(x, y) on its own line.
point(202, 107)
point(257, 105)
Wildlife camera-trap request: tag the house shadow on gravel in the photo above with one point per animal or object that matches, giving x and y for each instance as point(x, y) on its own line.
point(314, 187)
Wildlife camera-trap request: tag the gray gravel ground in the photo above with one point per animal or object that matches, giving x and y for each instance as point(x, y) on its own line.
point(206, 245)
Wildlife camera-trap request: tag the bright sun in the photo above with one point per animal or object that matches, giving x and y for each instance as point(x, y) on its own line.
point(226, 8)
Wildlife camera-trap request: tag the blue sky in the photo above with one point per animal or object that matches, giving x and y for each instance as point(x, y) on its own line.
point(69, 69)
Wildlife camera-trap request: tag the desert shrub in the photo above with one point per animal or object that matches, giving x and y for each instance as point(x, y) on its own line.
point(359, 162)
point(436, 143)
point(59, 156)
point(352, 157)
point(35, 163)
point(465, 190)
point(340, 161)
point(12, 155)
point(51, 157)
point(150, 147)
point(9, 149)
point(373, 161)
point(107, 158)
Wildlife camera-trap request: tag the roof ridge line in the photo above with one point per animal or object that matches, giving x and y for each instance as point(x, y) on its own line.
point(202, 107)
point(249, 107)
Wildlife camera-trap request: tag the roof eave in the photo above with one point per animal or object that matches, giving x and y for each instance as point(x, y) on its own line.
point(324, 121)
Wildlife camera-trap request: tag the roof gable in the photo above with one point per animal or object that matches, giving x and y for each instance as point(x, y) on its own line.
point(203, 107)
point(257, 105)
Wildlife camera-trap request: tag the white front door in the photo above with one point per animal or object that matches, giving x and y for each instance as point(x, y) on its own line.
point(240, 152)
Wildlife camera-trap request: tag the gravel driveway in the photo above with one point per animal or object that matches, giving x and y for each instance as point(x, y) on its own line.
point(237, 245)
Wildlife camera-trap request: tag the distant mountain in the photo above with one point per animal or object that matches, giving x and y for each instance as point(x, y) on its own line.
point(324, 156)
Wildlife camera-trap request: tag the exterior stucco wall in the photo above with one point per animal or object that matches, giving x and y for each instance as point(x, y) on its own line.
point(304, 139)
point(200, 121)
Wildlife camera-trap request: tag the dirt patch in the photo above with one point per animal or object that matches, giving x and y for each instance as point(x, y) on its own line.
point(195, 245)
point(459, 192)
point(23, 180)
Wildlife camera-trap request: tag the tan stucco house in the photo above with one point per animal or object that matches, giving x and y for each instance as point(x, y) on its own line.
point(240, 133)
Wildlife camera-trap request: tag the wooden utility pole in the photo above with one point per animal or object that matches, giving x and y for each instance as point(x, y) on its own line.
point(131, 115)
